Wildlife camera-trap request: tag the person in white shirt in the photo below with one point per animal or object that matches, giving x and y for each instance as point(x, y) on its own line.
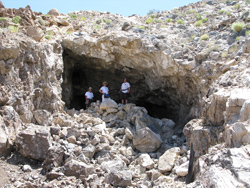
point(124, 91)
point(89, 97)
point(105, 91)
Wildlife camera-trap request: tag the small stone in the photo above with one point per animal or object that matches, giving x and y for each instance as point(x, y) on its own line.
point(27, 168)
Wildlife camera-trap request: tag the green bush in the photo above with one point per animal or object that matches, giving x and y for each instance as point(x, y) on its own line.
point(50, 32)
point(74, 16)
point(153, 16)
point(198, 16)
point(48, 15)
point(41, 21)
point(237, 6)
point(204, 37)
point(224, 54)
point(191, 11)
point(149, 20)
point(108, 21)
point(83, 19)
point(97, 27)
point(247, 32)
point(13, 29)
point(16, 19)
point(1, 18)
point(198, 23)
point(204, 20)
point(180, 21)
point(48, 37)
point(142, 27)
point(237, 27)
point(229, 13)
point(168, 20)
point(222, 12)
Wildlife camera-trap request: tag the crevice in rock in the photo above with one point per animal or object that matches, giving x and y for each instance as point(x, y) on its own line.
point(174, 99)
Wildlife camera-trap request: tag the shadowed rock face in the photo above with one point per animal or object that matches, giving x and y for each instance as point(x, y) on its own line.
point(170, 96)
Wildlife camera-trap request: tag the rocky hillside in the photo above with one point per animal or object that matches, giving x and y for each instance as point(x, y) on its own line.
point(190, 77)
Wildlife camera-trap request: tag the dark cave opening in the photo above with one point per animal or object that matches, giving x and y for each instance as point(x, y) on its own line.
point(82, 72)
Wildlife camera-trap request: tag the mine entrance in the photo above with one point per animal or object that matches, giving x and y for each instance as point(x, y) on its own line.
point(174, 100)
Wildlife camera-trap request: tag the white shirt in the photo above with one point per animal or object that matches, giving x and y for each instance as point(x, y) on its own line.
point(105, 89)
point(89, 95)
point(125, 87)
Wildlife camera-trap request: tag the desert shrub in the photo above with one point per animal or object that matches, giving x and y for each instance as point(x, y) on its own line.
point(142, 27)
point(247, 2)
point(50, 32)
point(222, 12)
point(198, 16)
point(48, 37)
point(238, 26)
point(157, 21)
point(229, 13)
point(204, 20)
point(149, 20)
point(1, 18)
point(74, 16)
point(16, 19)
point(83, 19)
point(48, 15)
point(13, 29)
point(108, 21)
point(204, 37)
point(168, 20)
point(152, 11)
point(224, 54)
point(191, 11)
point(247, 32)
point(180, 21)
point(198, 23)
point(41, 21)
point(153, 16)
point(97, 27)
point(237, 6)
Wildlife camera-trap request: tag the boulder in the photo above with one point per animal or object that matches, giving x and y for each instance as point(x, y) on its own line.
point(167, 160)
point(223, 168)
point(121, 115)
point(43, 117)
point(146, 161)
point(202, 136)
point(1, 5)
point(35, 32)
point(146, 140)
point(77, 168)
point(54, 157)
point(34, 142)
point(245, 111)
point(54, 12)
point(3, 138)
point(182, 170)
point(108, 104)
point(89, 151)
point(118, 173)
point(237, 134)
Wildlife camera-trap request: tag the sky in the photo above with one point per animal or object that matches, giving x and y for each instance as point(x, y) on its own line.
point(125, 8)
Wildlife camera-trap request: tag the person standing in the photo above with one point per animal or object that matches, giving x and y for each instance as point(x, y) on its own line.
point(105, 91)
point(89, 97)
point(124, 91)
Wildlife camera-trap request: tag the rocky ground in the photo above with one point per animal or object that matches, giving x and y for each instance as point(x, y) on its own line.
point(189, 65)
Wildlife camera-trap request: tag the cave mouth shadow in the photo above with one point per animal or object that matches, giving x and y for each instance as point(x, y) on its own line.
point(82, 72)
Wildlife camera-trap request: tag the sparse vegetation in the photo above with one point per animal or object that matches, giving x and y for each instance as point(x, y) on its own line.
point(198, 23)
point(153, 16)
point(142, 27)
point(238, 26)
point(152, 12)
point(229, 13)
point(168, 20)
point(204, 20)
point(222, 12)
point(74, 16)
point(237, 6)
point(13, 29)
point(2, 19)
point(247, 2)
point(108, 21)
point(247, 32)
point(41, 21)
point(97, 27)
point(224, 54)
point(16, 19)
point(204, 37)
point(180, 21)
point(48, 15)
point(48, 37)
point(198, 16)
point(83, 19)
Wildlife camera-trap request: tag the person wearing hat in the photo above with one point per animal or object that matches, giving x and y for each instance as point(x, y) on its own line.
point(89, 97)
point(104, 90)
point(124, 91)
